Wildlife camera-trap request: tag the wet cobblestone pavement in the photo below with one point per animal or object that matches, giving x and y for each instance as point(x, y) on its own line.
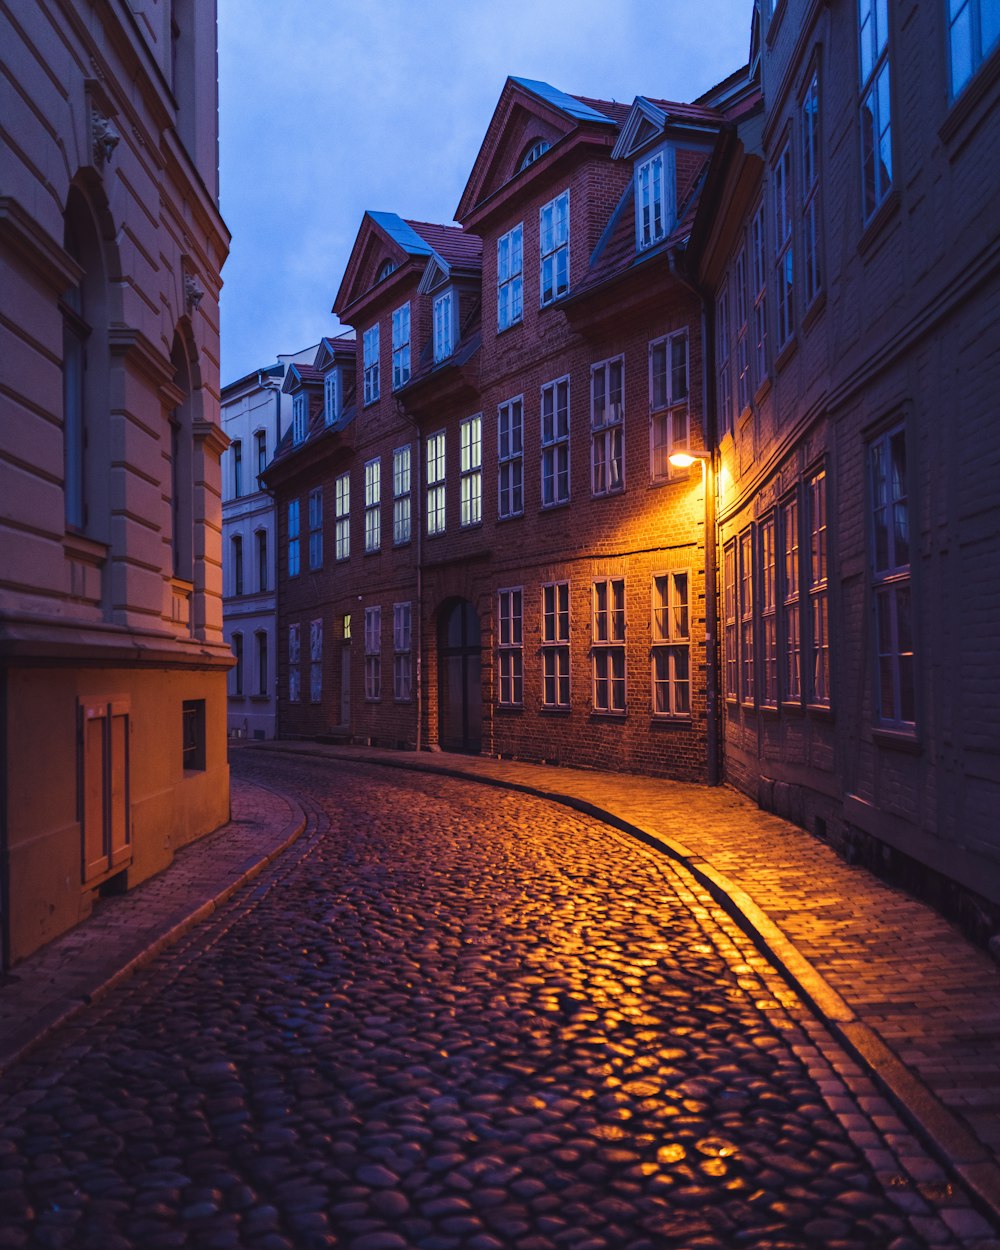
point(457, 1019)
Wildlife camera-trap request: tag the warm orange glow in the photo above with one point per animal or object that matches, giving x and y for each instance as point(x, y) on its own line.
point(681, 460)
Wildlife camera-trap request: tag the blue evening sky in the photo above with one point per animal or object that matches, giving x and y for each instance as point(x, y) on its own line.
point(331, 107)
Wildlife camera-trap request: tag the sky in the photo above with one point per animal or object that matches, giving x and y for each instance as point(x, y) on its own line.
point(332, 107)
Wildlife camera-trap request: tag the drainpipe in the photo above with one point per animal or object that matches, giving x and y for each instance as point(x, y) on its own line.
point(713, 724)
point(4, 848)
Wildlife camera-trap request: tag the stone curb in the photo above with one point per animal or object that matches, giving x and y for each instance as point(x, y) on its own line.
point(952, 1143)
point(252, 867)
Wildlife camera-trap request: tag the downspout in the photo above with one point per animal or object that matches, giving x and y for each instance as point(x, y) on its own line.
point(713, 724)
point(4, 846)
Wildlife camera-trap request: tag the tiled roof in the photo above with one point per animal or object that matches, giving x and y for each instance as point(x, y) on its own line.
point(578, 107)
point(453, 244)
point(611, 109)
point(686, 112)
point(307, 373)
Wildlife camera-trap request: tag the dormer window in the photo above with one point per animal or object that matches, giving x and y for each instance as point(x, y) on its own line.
point(533, 152)
point(653, 217)
point(331, 397)
point(444, 326)
point(300, 415)
point(388, 267)
point(370, 348)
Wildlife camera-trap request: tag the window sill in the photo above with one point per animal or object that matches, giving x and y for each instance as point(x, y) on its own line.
point(511, 516)
point(235, 698)
point(375, 551)
point(562, 709)
point(814, 310)
point(885, 211)
point(260, 698)
point(793, 708)
point(368, 699)
point(403, 702)
point(94, 552)
point(898, 740)
point(664, 721)
point(514, 325)
point(774, 24)
point(600, 714)
point(472, 525)
point(786, 353)
point(822, 711)
point(509, 708)
point(762, 391)
point(403, 542)
point(768, 709)
point(608, 494)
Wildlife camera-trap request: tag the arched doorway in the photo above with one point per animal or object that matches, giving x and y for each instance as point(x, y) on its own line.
point(460, 696)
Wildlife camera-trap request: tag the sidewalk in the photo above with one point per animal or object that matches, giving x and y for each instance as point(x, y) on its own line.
point(902, 988)
point(50, 987)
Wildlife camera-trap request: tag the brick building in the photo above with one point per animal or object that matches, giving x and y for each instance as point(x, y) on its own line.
point(797, 276)
point(112, 660)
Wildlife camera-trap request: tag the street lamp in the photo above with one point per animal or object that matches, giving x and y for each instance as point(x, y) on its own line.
point(684, 460)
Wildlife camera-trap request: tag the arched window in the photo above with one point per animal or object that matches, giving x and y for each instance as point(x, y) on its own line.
point(531, 154)
point(387, 267)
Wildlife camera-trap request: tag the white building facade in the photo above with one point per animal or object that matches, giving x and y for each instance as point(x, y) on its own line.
point(255, 414)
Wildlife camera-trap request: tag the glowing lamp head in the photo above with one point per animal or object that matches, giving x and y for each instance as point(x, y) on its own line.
point(683, 459)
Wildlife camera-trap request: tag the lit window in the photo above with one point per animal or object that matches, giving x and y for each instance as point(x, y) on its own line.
point(316, 528)
point(510, 264)
point(768, 615)
point(373, 653)
point(300, 417)
point(401, 346)
point(373, 505)
point(435, 483)
point(534, 151)
point(554, 248)
point(608, 649)
point(650, 206)
point(471, 471)
point(784, 264)
point(236, 673)
point(895, 694)
point(809, 129)
point(669, 410)
point(401, 495)
point(444, 326)
point(731, 635)
point(402, 660)
point(371, 363)
point(293, 538)
point(555, 644)
point(973, 31)
point(331, 398)
point(237, 550)
point(747, 684)
point(759, 253)
point(510, 648)
point(342, 517)
point(607, 425)
point(510, 451)
point(237, 468)
point(876, 108)
point(294, 676)
point(671, 639)
point(555, 442)
point(791, 608)
point(819, 636)
point(315, 661)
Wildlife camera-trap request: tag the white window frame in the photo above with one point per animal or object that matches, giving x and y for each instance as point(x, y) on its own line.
point(316, 528)
point(510, 457)
point(965, 25)
point(294, 560)
point(670, 652)
point(555, 418)
point(608, 630)
point(791, 601)
point(300, 417)
point(782, 198)
point(236, 549)
point(370, 349)
point(436, 499)
point(758, 254)
point(470, 467)
point(875, 107)
point(373, 654)
point(342, 516)
point(768, 536)
point(809, 129)
point(331, 397)
point(669, 403)
point(316, 660)
point(373, 505)
point(890, 536)
point(510, 278)
point(555, 645)
point(607, 427)
point(510, 646)
point(401, 346)
point(445, 306)
point(263, 566)
point(653, 188)
point(294, 673)
point(402, 505)
point(819, 589)
point(747, 608)
point(730, 617)
point(553, 249)
point(402, 652)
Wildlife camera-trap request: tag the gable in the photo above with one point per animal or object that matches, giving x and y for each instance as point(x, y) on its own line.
point(383, 239)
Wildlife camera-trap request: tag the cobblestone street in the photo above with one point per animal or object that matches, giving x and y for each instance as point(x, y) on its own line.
point(454, 1018)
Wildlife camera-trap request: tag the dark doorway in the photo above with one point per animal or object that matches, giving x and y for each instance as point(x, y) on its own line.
point(460, 696)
